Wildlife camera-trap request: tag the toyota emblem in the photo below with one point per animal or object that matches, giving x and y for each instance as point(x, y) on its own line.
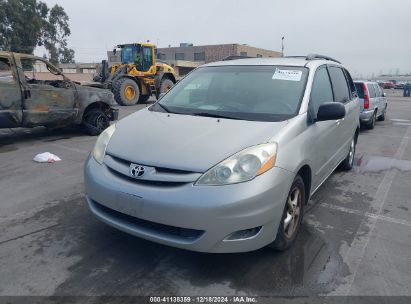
point(137, 170)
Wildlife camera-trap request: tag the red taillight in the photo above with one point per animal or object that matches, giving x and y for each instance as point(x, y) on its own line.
point(366, 97)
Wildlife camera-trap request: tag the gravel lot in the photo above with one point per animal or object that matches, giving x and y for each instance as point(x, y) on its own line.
point(355, 240)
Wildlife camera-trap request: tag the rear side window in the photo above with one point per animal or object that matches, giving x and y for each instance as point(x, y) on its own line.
point(340, 87)
point(6, 74)
point(360, 89)
point(321, 90)
point(371, 90)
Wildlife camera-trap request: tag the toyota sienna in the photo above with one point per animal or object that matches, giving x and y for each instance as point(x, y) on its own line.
point(228, 158)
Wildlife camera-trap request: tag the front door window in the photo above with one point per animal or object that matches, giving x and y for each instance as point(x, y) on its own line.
point(147, 58)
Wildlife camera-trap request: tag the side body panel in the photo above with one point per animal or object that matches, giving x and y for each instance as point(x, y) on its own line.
point(46, 103)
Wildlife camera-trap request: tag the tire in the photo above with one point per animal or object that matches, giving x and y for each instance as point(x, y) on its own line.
point(287, 233)
point(371, 124)
point(126, 92)
point(143, 98)
point(348, 163)
point(95, 121)
point(165, 85)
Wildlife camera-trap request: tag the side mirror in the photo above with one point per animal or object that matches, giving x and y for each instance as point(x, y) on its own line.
point(330, 111)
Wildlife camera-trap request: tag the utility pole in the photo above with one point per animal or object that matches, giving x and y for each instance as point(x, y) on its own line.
point(282, 47)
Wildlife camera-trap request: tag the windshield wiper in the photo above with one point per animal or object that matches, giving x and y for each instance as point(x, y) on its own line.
point(164, 107)
point(205, 114)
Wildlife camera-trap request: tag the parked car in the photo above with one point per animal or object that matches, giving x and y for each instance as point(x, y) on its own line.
point(33, 93)
point(373, 103)
point(399, 86)
point(232, 155)
point(388, 85)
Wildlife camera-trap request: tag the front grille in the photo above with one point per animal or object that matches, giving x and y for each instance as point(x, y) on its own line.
point(146, 182)
point(158, 169)
point(183, 233)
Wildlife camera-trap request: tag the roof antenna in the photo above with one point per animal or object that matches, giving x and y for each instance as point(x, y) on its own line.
point(282, 46)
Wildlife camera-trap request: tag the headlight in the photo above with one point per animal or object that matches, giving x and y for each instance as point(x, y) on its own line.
point(241, 167)
point(99, 150)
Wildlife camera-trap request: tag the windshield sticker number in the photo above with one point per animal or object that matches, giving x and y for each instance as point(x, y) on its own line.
point(291, 75)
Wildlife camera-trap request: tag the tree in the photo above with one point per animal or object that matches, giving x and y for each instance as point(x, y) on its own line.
point(55, 33)
point(21, 22)
point(25, 24)
point(67, 56)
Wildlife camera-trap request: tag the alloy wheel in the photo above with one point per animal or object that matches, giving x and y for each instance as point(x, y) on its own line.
point(293, 212)
point(352, 152)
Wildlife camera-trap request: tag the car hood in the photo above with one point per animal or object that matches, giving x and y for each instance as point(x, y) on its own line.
point(185, 142)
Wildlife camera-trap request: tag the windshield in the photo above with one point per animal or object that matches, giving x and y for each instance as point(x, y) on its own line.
point(129, 54)
point(262, 93)
point(53, 70)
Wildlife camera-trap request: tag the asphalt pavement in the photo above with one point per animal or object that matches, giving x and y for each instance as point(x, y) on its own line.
point(355, 239)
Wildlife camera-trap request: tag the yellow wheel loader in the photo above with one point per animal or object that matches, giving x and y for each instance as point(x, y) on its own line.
point(138, 76)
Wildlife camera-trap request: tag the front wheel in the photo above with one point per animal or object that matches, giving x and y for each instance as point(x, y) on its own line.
point(292, 216)
point(126, 92)
point(348, 163)
point(95, 121)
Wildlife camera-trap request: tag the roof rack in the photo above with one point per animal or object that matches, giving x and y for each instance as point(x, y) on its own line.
point(297, 56)
point(234, 57)
point(317, 56)
point(314, 57)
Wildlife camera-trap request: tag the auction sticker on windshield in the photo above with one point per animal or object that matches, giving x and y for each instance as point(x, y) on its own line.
point(291, 75)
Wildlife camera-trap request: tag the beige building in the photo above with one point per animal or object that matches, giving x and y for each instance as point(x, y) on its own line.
point(186, 57)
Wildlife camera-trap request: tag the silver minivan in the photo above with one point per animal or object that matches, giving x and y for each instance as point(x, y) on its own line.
point(373, 103)
point(227, 160)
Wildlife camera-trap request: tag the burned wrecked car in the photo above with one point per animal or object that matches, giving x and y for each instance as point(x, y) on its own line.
point(35, 93)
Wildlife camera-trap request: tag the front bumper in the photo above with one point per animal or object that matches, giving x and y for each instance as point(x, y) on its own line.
point(366, 116)
point(206, 215)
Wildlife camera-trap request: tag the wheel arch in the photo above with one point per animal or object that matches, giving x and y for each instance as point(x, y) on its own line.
point(166, 75)
point(170, 76)
point(357, 133)
point(306, 174)
point(96, 105)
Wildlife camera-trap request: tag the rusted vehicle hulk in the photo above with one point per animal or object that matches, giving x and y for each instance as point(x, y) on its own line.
point(33, 93)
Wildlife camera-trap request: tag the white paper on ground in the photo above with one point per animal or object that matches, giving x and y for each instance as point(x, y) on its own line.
point(291, 75)
point(46, 157)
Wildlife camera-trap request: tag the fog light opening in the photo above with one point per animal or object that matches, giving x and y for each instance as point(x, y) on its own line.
point(243, 234)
